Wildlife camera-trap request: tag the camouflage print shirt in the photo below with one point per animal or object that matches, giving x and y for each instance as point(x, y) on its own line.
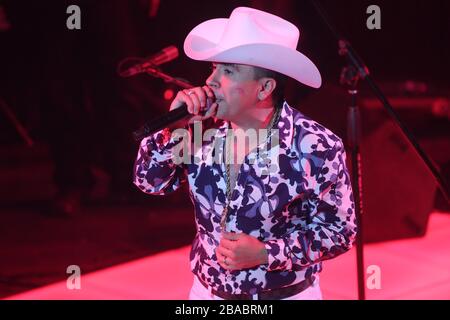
point(300, 206)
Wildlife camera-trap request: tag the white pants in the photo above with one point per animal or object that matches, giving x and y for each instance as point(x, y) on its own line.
point(199, 292)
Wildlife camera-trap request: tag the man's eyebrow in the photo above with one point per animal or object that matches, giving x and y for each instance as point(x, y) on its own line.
point(232, 65)
point(229, 65)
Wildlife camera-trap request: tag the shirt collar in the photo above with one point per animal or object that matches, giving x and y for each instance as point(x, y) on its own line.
point(286, 125)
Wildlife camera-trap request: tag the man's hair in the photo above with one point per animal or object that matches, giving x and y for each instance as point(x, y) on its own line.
point(281, 79)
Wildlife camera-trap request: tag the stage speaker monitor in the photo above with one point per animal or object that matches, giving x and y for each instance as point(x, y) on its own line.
point(398, 189)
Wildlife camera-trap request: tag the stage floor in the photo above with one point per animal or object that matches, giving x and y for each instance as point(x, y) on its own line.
point(417, 268)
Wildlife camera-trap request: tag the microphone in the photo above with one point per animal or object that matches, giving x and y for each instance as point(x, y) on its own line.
point(165, 55)
point(165, 120)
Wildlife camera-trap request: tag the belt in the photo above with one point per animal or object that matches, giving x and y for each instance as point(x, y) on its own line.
point(274, 294)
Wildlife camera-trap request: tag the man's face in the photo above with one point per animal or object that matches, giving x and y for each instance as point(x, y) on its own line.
point(235, 89)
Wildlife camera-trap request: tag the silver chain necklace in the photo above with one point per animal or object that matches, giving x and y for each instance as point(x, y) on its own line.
point(273, 121)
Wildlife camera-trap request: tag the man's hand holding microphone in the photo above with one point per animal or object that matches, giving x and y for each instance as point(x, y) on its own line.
point(200, 103)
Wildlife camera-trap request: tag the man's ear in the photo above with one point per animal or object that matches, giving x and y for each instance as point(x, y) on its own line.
point(267, 85)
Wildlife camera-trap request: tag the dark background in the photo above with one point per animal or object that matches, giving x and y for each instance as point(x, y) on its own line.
point(61, 85)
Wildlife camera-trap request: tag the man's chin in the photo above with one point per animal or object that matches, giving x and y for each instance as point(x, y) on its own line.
point(221, 114)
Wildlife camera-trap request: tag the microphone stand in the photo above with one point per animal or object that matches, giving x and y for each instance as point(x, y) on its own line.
point(357, 69)
point(350, 78)
point(169, 79)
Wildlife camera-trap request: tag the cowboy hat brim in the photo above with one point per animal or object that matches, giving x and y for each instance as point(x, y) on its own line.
point(203, 43)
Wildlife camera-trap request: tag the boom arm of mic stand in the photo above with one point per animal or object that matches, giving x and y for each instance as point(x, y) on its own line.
point(169, 79)
point(363, 72)
point(347, 50)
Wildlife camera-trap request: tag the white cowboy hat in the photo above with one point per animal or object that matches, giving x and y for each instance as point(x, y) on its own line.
point(255, 38)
